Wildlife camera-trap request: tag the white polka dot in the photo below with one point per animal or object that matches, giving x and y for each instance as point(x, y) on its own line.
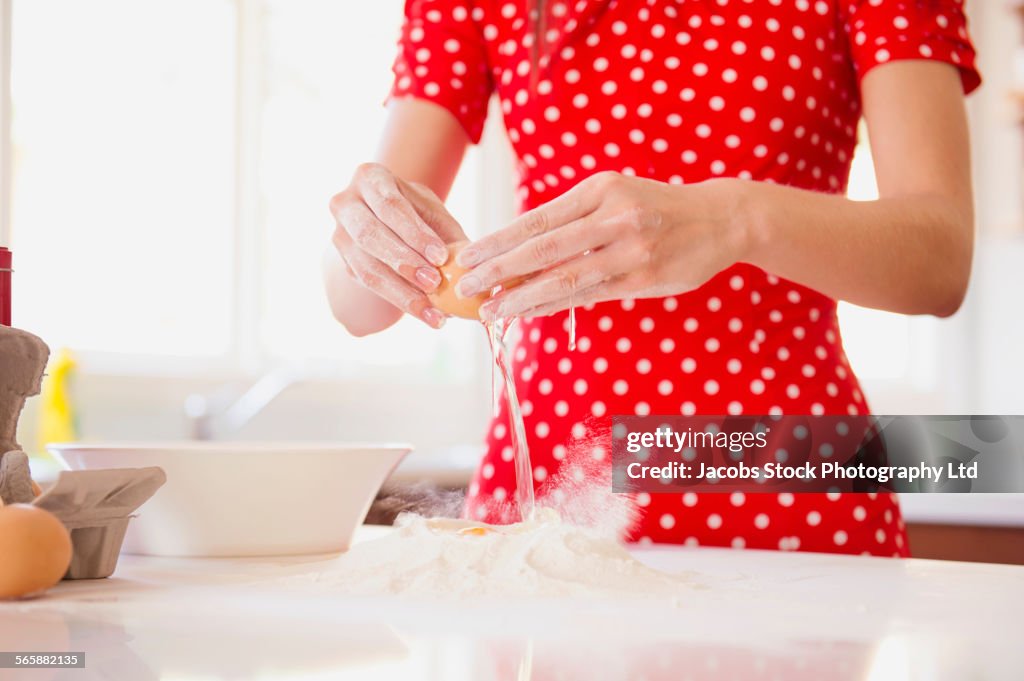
point(667, 521)
point(690, 499)
point(540, 473)
point(761, 521)
point(598, 409)
point(786, 499)
point(839, 538)
point(620, 387)
point(665, 387)
point(714, 521)
point(711, 387)
point(813, 518)
point(859, 513)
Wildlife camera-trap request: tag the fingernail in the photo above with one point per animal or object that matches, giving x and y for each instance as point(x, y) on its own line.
point(468, 285)
point(488, 312)
point(437, 254)
point(434, 317)
point(468, 257)
point(428, 278)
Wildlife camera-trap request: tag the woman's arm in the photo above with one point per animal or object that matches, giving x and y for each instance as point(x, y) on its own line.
point(391, 219)
point(615, 237)
point(910, 251)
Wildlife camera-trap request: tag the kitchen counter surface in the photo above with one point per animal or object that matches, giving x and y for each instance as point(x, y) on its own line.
point(748, 615)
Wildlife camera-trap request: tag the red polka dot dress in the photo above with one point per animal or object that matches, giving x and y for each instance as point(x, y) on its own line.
point(680, 91)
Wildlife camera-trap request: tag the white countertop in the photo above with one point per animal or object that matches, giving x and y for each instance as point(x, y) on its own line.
point(749, 615)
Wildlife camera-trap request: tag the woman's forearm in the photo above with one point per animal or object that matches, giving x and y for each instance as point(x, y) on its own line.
point(908, 254)
point(422, 144)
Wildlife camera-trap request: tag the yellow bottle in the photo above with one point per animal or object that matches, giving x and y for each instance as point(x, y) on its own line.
point(57, 419)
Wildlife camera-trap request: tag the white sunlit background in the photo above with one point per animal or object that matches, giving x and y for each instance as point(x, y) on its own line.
point(169, 171)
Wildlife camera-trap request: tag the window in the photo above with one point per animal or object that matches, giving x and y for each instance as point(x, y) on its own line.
point(172, 165)
point(123, 135)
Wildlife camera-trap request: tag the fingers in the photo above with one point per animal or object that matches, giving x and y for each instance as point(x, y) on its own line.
point(382, 280)
point(538, 254)
point(382, 194)
point(561, 285)
point(372, 235)
point(611, 289)
point(433, 212)
point(574, 204)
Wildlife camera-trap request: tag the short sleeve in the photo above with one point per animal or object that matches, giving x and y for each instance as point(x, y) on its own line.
point(442, 59)
point(882, 31)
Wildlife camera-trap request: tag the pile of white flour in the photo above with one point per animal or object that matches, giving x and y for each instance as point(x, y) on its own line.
point(543, 557)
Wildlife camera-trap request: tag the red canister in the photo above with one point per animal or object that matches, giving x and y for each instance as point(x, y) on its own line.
point(5, 286)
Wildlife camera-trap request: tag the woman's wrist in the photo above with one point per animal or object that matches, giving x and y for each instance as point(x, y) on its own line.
point(742, 221)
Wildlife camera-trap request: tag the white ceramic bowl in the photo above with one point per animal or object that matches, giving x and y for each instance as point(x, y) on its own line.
point(246, 498)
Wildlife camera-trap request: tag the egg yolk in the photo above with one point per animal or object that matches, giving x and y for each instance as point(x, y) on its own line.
point(475, 531)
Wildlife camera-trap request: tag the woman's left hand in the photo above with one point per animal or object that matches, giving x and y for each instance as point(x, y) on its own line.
point(610, 237)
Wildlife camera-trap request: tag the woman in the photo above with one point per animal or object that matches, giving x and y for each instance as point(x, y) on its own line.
point(682, 167)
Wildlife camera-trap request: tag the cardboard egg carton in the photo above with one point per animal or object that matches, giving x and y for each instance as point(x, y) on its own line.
point(95, 505)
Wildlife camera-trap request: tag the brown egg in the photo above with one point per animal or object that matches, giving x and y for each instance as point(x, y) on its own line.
point(444, 297)
point(36, 550)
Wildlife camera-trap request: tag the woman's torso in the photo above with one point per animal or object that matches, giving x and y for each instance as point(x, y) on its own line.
point(682, 92)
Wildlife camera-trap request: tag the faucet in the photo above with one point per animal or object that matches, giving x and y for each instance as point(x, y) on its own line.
point(216, 415)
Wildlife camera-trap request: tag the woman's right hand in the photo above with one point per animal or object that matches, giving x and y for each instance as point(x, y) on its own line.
point(392, 236)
